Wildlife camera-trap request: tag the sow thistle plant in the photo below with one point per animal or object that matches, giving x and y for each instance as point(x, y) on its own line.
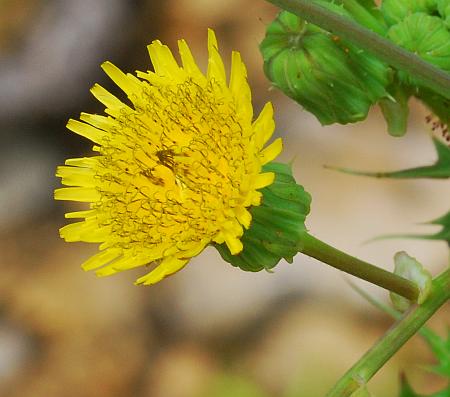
point(183, 163)
point(184, 166)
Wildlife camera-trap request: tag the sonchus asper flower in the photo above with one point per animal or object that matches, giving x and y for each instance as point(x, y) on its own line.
point(176, 168)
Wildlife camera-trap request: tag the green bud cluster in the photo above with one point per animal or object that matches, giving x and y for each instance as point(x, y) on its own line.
point(395, 11)
point(418, 27)
point(422, 27)
point(277, 226)
point(338, 82)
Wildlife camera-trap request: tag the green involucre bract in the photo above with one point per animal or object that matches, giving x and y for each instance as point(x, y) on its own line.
point(277, 224)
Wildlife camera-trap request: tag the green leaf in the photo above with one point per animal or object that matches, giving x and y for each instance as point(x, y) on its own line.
point(439, 170)
point(444, 234)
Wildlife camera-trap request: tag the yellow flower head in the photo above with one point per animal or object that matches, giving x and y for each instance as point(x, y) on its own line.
point(176, 169)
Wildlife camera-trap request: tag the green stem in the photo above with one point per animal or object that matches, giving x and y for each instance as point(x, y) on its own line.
point(409, 324)
point(349, 264)
point(429, 75)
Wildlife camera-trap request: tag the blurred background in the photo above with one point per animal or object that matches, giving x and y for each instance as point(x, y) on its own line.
point(210, 330)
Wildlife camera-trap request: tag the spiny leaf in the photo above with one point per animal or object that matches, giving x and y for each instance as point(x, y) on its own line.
point(439, 170)
point(444, 234)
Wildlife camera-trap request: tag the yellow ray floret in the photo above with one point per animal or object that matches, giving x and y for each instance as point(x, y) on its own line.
point(176, 169)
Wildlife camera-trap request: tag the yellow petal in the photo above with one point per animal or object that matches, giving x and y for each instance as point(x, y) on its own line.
point(163, 61)
point(114, 106)
point(216, 70)
point(101, 258)
point(80, 214)
point(264, 125)
point(129, 84)
point(75, 231)
point(188, 60)
point(240, 88)
point(234, 244)
point(121, 264)
point(152, 78)
point(263, 180)
point(243, 216)
point(271, 152)
point(194, 250)
point(86, 130)
point(167, 267)
point(87, 162)
point(101, 122)
point(219, 238)
point(76, 176)
point(95, 235)
point(82, 194)
point(233, 227)
point(254, 199)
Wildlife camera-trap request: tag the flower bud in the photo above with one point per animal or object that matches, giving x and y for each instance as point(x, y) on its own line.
point(277, 224)
point(444, 11)
point(425, 36)
point(395, 11)
point(330, 78)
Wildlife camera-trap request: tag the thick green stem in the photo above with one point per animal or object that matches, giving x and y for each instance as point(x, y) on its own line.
point(349, 264)
point(409, 324)
point(429, 75)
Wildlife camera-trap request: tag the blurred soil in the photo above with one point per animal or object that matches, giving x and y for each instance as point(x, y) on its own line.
point(210, 330)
